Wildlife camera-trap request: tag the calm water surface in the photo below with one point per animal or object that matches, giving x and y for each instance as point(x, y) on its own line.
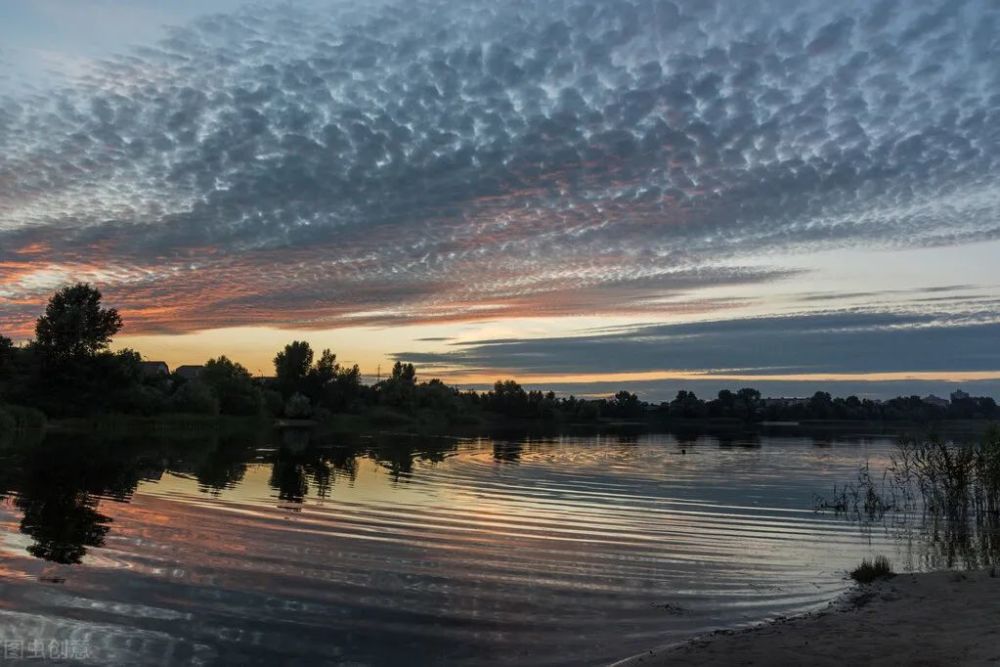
point(266, 549)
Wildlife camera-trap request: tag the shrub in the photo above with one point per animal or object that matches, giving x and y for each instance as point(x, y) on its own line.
point(7, 423)
point(22, 418)
point(298, 407)
point(869, 571)
point(194, 398)
point(273, 402)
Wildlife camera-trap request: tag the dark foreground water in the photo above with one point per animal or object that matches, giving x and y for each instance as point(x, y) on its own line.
point(281, 548)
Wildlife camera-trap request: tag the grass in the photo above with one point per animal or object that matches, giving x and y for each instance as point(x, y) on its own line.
point(872, 570)
point(867, 498)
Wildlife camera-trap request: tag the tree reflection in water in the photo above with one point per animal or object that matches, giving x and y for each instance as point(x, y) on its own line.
point(58, 485)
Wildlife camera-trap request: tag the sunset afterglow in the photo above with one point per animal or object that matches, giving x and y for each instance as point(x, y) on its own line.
point(458, 187)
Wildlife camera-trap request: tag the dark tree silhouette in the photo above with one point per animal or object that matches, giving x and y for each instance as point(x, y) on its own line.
point(291, 366)
point(74, 324)
point(399, 389)
point(234, 387)
point(6, 354)
point(627, 405)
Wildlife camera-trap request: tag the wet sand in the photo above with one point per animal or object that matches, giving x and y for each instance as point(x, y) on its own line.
point(938, 618)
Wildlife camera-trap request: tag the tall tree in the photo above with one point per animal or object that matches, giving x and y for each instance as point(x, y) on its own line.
point(399, 388)
point(74, 324)
point(233, 385)
point(325, 369)
point(291, 366)
point(6, 353)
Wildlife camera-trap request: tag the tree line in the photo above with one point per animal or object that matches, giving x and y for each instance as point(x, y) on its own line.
point(68, 370)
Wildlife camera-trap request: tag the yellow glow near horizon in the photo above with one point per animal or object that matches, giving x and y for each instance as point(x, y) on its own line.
point(370, 349)
point(652, 376)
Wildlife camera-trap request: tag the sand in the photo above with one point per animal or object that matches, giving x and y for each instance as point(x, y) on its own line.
point(939, 618)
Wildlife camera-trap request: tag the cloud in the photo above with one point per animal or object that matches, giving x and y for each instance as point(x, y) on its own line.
point(665, 390)
point(428, 161)
point(834, 342)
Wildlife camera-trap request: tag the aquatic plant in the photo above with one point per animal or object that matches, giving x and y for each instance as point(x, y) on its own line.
point(952, 489)
point(865, 498)
point(952, 479)
point(872, 570)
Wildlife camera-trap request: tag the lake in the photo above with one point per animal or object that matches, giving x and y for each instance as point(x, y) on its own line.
point(265, 548)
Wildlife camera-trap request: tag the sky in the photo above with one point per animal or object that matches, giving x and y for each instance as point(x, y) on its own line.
point(649, 194)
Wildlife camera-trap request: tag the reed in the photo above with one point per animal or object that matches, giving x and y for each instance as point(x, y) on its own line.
point(873, 570)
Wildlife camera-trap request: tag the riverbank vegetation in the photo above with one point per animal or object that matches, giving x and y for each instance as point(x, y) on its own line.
point(872, 570)
point(69, 372)
point(952, 489)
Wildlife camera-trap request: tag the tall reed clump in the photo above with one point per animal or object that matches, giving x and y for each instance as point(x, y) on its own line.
point(953, 488)
point(952, 480)
point(988, 473)
point(870, 570)
point(868, 498)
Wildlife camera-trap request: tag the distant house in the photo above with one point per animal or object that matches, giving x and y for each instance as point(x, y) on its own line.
point(783, 402)
point(189, 372)
point(958, 395)
point(154, 369)
point(936, 401)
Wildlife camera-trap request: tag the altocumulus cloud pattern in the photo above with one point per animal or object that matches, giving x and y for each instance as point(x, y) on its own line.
point(430, 161)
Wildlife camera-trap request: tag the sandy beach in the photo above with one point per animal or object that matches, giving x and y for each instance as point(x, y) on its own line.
point(939, 618)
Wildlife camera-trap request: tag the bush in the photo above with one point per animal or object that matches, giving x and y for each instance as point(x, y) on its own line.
point(22, 418)
point(7, 423)
point(298, 407)
point(194, 398)
point(142, 400)
point(869, 571)
point(273, 402)
point(233, 386)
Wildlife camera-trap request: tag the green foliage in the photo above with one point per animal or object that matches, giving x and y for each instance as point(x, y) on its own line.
point(872, 570)
point(325, 369)
point(626, 405)
point(688, 406)
point(7, 351)
point(438, 397)
point(7, 423)
point(273, 402)
point(952, 479)
point(344, 391)
point(298, 407)
point(194, 398)
point(867, 499)
point(233, 385)
point(399, 389)
point(325, 383)
point(74, 324)
point(20, 418)
point(291, 366)
point(508, 398)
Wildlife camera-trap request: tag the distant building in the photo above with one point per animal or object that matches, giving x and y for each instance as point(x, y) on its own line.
point(958, 395)
point(189, 372)
point(783, 402)
point(936, 401)
point(154, 369)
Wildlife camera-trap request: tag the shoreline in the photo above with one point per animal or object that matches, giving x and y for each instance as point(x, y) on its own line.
point(933, 618)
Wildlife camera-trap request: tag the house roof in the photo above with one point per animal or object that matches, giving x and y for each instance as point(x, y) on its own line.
point(154, 367)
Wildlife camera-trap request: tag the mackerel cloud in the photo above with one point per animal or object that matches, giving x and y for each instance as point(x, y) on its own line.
point(320, 165)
